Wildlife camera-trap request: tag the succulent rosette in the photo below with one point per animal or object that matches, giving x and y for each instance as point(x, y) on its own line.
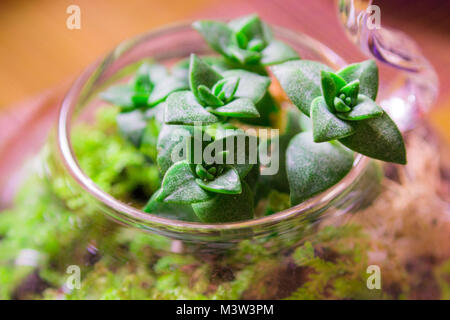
point(342, 106)
point(217, 185)
point(246, 40)
point(214, 97)
point(151, 85)
point(184, 120)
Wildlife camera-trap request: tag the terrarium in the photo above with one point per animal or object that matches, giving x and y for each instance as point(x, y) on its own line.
point(191, 160)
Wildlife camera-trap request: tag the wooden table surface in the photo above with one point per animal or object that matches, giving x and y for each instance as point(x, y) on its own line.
point(40, 56)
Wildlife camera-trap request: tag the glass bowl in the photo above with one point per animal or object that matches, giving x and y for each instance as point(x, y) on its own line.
point(279, 230)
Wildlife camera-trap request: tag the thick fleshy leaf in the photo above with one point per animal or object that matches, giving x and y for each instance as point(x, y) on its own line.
point(241, 39)
point(367, 74)
point(239, 108)
point(166, 86)
point(120, 95)
point(300, 79)
point(243, 56)
point(326, 126)
point(226, 207)
point(157, 72)
point(228, 90)
point(278, 147)
point(251, 26)
point(278, 52)
point(218, 63)
point(252, 176)
point(256, 45)
point(142, 80)
point(156, 112)
point(378, 138)
point(366, 108)
point(314, 167)
point(207, 97)
point(242, 150)
point(305, 123)
point(131, 125)
point(251, 85)
point(201, 73)
point(227, 183)
point(149, 139)
point(331, 84)
point(174, 211)
point(268, 109)
point(340, 106)
point(179, 186)
point(202, 173)
point(217, 34)
point(182, 108)
point(350, 91)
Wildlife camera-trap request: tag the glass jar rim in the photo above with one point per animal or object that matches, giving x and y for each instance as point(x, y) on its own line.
point(72, 166)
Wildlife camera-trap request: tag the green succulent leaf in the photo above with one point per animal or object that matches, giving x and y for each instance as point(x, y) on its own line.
point(244, 56)
point(351, 90)
point(340, 105)
point(142, 82)
point(217, 88)
point(227, 183)
point(131, 125)
point(156, 72)
point(268, 109)
point(166, 86)
point(239, 158)
point(226, 207)
point(149, 140)
point(217, 34)
point(156, 112)
point(179, 185)
point(229, 88)
point(239, 108)
point(331, 85)
point(250, 26)
point(365, 108)
point(279, 180)
point(120, 95)
point(201, 73)
point(182, 108)
point(378, 138)
point(203, 173)
point(241, 39)
point(251, 85)
point(314, 167)
point(326, 126)
point(207, 97)
point(150, 86)
point(301, 81)
point(173, 143)
point(367, 74)
point(278, 52)
point(246, 41)
point(174, 211)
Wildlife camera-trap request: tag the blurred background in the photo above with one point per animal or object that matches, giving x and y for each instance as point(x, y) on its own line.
point(40, 56)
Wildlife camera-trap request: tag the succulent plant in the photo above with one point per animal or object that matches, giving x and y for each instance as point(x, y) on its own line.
point(184, 119)
point(246, 40)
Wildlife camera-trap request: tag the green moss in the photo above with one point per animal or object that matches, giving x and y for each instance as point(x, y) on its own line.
point(54, 219)
point(339, 271)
